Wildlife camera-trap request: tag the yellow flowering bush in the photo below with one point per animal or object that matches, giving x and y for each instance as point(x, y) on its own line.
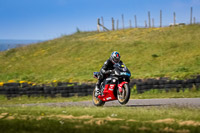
point(1, 83)
point(70, 81)
point(21, 82)
point(11, 81)
point(55, 81)
point(29, 82)
point(40, 52)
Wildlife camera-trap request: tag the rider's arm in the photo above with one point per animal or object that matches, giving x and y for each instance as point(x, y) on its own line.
point(104, 69)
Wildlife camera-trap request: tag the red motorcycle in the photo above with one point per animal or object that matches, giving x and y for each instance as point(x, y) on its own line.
point(114, 87)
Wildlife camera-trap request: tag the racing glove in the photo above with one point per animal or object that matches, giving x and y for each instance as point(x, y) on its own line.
point(109, 72)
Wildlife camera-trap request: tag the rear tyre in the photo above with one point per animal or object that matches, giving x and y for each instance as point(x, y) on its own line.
point(96, 101)
point(123, 97)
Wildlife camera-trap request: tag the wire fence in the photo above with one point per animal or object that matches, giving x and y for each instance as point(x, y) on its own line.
point(117, 24)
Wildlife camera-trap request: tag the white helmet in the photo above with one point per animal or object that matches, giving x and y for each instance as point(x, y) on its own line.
point(115, 57)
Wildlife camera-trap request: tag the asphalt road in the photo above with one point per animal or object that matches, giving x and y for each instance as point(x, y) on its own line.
point(182, 102)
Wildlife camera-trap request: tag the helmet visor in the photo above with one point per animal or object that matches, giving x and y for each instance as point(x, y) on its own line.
point(116, 60)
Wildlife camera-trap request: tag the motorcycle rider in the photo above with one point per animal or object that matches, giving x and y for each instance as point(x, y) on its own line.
point(107, 69)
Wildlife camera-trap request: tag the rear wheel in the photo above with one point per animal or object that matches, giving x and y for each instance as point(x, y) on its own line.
point(97, 101)
point(123, 97)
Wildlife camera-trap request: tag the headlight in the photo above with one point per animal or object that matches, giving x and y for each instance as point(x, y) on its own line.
point(124, 69)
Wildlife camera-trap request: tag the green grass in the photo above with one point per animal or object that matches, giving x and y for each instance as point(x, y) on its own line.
point(94, 119)
point(43, 119)
point(26, 100)
point(151, 95)
point(155, 52)
point(155, 93)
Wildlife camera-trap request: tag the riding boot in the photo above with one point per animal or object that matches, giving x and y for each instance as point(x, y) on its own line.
point(97, 89)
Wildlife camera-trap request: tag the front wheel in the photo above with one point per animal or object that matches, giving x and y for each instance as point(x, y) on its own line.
point(123, 97)
point(97, 101)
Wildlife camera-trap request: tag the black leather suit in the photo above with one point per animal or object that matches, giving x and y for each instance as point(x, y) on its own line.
point(105, 71)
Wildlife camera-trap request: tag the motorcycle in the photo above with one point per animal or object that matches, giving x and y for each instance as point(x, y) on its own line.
point(114, 87)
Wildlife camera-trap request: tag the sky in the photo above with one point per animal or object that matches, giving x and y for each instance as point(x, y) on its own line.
point(49, 19)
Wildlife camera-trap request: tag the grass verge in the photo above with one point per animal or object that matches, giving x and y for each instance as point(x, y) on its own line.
point(95, 119)
point(26, 99)
point(155, 93)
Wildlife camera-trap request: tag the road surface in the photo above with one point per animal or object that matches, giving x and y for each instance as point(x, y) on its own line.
point(182, 102)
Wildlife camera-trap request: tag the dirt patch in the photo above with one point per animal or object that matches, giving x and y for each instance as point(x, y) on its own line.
point(182, 123)
point(124, 127)
point(3, 114)
point(10, 117)
point(96, 121)
point(167, 129)
point(22, 117)
point(72, 117)
point(183, 131)
point(40, 118)
point(78, 126)
point(101, 121)
point(167, 121)
point(144, 128)
point(131, 120)
point(113, 119)
point(92, 120)
point(189, 123)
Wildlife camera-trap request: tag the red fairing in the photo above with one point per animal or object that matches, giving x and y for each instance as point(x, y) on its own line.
point(108, 93)
point(121, 84)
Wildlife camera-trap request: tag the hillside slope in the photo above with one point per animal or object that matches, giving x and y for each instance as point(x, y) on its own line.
point(155, 52)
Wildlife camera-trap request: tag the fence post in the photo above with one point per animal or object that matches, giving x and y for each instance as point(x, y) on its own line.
point(113, 27)
point(122, 21)
point(102, 22)
point(98, 25)
point(135, 21)
point(191, 15)
point(130, 24)
point(152, 22)
point(174, 18)
point(145, 24)
point(160, 18)
point(117, 24)
point(149, 19)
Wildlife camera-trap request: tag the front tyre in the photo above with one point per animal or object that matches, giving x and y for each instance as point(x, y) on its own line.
point(97, 101)
point(123, 97)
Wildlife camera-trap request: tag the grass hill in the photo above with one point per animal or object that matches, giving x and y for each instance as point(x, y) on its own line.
point(155, 52)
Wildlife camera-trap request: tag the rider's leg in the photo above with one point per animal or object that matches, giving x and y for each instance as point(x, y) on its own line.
point(98, 88)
